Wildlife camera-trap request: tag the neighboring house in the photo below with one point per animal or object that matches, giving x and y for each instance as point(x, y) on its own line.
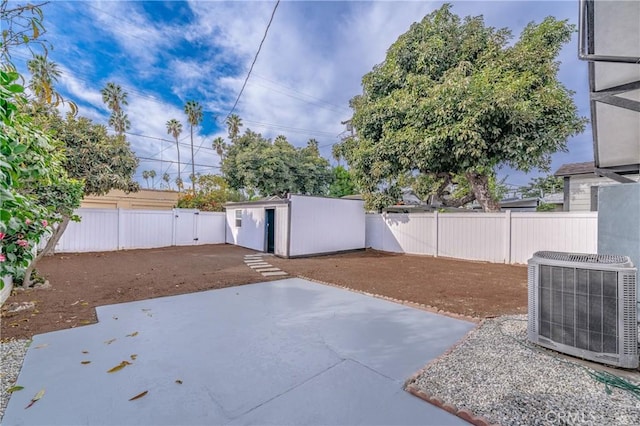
point(531, 204)
point(144, 199)
point(520, 204)
point(581, 185)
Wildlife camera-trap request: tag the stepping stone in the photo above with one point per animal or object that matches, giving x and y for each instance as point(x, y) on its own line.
point(262, 265)
point(253, 261)
point(252, 256)
point(274, 274)
point(266, 270)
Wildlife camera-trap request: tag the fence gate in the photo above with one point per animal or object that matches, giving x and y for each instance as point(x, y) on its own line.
point(185, 227)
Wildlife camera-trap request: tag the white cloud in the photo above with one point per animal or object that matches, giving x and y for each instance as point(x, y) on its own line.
point(311, 63)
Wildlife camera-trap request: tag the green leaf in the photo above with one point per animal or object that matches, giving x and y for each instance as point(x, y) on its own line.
point(15, 389)
point(15, 88)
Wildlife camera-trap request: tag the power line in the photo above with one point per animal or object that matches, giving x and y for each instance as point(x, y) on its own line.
point(318, 100)
point(254, 60)
point(290, 129)
point(174, 162)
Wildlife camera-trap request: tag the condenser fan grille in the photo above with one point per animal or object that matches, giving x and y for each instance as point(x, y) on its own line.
point(579, 307)
point(584, 305)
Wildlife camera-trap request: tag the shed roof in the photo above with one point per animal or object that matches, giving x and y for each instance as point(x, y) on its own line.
point(575, 169)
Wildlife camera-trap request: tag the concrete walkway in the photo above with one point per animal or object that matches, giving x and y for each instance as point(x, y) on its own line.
point(282, 352)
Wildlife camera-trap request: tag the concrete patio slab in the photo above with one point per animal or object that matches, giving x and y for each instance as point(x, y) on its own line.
point(282, 352)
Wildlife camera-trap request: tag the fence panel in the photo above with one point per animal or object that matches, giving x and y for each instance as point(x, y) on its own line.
point(121, 229)
point(472, 236)
point(572, 232)
point(374, 226)
point(97, 231)
point(145, 229)
point(493, 237)
point(211, 228)
point(411, 233)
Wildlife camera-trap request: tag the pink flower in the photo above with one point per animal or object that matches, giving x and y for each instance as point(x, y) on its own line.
point(45, 223)
point(23, 243)
point(2, 257)
point(27, 221)
point(2, 235)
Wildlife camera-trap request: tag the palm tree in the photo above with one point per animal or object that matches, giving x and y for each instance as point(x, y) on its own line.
point(43, 74)
point(220, 147)
point(179, 183)
point(193, 110)
point(174, 128)
point(166, 179)
point(114, 96)
point(145, 176)
point(120, 122)
point(152, 175)
point(234, 122)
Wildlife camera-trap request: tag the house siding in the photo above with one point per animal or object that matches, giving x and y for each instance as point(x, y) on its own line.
point(580, 190)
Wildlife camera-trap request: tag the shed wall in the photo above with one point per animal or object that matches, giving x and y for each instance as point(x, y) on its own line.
point(325, 225)
point(252, 232)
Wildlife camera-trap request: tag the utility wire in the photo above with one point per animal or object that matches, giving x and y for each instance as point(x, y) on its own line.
point(174, 162)
point(254, 60)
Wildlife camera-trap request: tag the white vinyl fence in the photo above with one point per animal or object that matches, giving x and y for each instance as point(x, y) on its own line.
point(494, 237)
point(121, 229)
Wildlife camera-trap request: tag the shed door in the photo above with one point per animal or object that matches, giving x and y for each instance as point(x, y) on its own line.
point(270, 231)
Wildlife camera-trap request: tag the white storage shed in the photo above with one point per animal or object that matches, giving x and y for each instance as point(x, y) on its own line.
point(297, 226)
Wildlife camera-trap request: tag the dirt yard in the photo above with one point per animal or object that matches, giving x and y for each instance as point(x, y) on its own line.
point(80, 282)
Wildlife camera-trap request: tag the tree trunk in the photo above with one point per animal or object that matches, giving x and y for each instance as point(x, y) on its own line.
point(480, 186)
point(55, 237)
point(193, 166)
point(179, 175)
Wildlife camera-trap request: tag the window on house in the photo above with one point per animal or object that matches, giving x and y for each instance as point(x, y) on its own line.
point(238, 218)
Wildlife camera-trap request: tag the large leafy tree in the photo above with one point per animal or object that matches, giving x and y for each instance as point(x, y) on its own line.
point(257, 166)
point(342, 184)
point(193, 110)
point(100, 160)
point(454, 96)
point(174, 128)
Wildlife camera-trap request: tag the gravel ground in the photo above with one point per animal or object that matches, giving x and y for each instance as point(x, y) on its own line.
point(495, 373)
point(12, 354)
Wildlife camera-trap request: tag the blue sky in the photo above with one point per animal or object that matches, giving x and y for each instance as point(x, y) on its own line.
point(311, 64)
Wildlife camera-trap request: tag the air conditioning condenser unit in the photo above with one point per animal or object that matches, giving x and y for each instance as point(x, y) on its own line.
point(584, 305)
